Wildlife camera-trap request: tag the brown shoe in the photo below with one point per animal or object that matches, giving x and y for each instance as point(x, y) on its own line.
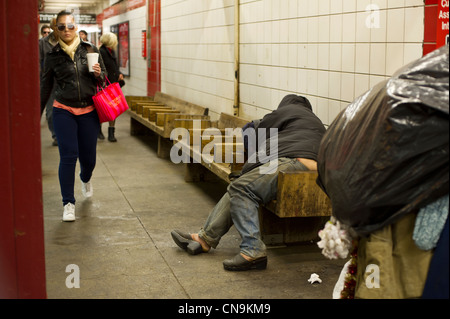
point(185, 242)
point(239, 263)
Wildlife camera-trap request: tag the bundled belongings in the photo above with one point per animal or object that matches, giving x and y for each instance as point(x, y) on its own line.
point(384, 164)
point(387, 153)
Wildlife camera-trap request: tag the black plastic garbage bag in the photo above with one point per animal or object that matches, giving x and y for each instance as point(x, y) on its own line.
point(387, 153)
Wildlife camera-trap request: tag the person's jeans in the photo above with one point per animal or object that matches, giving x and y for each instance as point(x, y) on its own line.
point(77, 139)
point(239, 207)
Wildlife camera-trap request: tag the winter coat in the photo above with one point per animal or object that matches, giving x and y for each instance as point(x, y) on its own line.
point(300, 132)
point(75, 85)
point(111, 65)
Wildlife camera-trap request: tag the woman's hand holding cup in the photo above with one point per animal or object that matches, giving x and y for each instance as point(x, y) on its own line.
point(94, 66)
point(97, 70)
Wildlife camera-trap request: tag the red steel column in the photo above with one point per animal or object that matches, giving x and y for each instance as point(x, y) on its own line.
point(22, 257)
point(154, 34)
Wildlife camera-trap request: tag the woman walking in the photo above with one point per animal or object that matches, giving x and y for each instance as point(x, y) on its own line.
point(108, 52)
point(75, 119)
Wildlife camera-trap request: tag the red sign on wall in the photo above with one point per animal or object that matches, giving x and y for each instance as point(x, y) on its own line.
point(442, 23)
point(124, 51)
point(123, 7)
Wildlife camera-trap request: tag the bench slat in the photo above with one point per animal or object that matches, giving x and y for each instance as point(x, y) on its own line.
point(152, 113)
point(189, 123)
point(146, 110)
point(133, 102)
point(182, 106)
point(230, 121)
point(168, 121)
point(140, 106)
point(221, 149)
point(134, 99)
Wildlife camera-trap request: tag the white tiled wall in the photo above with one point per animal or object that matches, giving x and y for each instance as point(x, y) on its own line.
point(197, 52)
point(330, 51)
point(136, 83)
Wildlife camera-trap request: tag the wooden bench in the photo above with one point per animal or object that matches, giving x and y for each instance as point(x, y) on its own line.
point(301, 208)
point(157, 114)
point(299, 212)
point(194, 172)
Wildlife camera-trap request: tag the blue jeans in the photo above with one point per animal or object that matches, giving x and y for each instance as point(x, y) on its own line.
point(77, 139)
point(239, 207)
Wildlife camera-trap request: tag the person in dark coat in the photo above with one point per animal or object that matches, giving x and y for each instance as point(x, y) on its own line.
point(83, 35)
point(108, 52)
point(46, 44)
point(293, 146)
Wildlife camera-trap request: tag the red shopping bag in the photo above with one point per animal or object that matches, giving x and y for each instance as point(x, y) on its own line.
point(110, 102)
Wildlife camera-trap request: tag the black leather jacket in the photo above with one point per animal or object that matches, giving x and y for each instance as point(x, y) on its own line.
point(75, 85)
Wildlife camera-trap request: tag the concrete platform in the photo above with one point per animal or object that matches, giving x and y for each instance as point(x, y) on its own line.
point(121, 240)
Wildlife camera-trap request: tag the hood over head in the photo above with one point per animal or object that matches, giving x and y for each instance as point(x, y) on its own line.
point(295, 99)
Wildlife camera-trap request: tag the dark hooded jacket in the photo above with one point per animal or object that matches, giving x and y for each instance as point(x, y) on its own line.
point(111, 64)
point(300, 132)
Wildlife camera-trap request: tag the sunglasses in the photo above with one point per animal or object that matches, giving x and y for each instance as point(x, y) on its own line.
point(46, 32)
point(62, 27)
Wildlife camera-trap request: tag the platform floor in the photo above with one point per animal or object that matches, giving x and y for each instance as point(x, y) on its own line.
point(121, 242)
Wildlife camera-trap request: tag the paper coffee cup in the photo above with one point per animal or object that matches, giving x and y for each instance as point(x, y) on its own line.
point(92, 59)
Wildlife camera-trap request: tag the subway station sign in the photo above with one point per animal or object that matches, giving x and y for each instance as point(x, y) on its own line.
point(442, 23)
point(81, 18)
point(123, 7)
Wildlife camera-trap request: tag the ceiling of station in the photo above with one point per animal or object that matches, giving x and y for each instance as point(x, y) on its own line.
point(78, 6)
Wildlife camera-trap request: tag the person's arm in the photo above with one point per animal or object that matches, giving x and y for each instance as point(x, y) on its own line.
point(47, 80)
point(249, 138)
point(104, 73)
point(120, 78)
point(100, 72)
point(41, 55)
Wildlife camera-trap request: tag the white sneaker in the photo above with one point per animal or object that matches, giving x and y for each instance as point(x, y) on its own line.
point(69, 212)
point(87, 190)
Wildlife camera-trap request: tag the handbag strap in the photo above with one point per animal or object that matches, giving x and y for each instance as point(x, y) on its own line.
point(91, 50)
point(103, 87)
